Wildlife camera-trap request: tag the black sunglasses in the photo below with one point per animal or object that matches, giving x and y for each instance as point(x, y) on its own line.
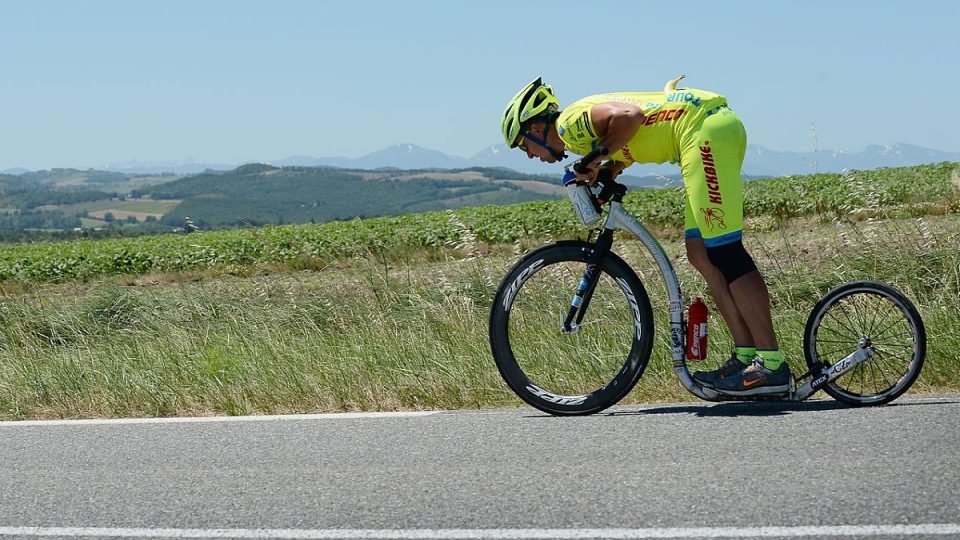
point(522, 144)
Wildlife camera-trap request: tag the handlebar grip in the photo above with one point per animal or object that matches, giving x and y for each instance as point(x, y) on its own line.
point(580, 165)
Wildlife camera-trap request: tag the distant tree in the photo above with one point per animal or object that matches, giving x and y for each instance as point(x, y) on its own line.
point(109, 217)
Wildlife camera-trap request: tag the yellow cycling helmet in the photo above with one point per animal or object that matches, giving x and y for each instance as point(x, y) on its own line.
point(534, 101)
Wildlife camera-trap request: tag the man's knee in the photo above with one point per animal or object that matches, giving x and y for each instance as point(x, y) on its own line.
point(732, 260)
point(697, 254)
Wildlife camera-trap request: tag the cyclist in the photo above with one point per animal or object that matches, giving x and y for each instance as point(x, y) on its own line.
point(698, 130)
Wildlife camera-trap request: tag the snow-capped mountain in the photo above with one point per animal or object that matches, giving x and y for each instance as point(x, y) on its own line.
point(761, 160)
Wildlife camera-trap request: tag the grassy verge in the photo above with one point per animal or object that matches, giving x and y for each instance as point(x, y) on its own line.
point(409, 333)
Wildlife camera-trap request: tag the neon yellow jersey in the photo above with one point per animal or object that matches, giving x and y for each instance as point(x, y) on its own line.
point(691, 127)
point(670, 117)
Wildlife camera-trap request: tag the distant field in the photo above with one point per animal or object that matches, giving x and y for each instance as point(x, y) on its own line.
point(147, 206)
point(122, 214)
point(538, 187)
point(123, 185)
point(141, 208)
point(534, 186)
point(89, 223)
point(418, 175)
point(464, 176)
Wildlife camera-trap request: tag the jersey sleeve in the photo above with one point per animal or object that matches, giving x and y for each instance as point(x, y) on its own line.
point(575, 127)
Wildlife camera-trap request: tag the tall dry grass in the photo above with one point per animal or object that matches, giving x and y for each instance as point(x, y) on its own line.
point(405, 332)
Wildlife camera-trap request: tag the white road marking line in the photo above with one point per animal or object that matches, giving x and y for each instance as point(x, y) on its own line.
point(494, 534)
point(200, 419)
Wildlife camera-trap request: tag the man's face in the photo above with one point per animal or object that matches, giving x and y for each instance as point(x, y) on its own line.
point(533, 149)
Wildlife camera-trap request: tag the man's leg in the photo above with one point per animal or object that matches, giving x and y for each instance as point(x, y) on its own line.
point(711, 164)
point(749, 292)
point(744, 349)
point(771, 375)
point(722, 297)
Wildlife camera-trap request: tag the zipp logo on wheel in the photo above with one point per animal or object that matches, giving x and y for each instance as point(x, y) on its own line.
point(553, 398)
point(637, 323)
point(524, 276)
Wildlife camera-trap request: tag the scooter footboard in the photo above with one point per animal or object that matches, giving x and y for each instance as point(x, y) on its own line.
point(834, 372)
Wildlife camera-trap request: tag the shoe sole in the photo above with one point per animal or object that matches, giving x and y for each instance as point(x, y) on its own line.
point(778, 389)
point(709, 384)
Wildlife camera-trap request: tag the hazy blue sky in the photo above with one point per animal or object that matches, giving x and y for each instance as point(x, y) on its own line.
point(93, 82)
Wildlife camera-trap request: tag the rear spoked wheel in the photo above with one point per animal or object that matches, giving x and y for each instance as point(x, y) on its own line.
point(879, 316)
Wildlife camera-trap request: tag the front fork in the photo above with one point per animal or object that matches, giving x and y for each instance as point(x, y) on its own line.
point(588, 283)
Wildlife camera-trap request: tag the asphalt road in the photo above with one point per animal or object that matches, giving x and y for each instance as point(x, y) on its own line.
point(705, 470)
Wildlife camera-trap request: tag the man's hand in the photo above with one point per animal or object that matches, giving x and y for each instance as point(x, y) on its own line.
point(590, 175)
point(608, 171)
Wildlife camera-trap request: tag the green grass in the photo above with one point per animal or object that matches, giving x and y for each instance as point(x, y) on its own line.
point(404, 333)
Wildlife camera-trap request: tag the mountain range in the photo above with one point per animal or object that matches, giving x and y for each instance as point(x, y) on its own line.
point(759, 161)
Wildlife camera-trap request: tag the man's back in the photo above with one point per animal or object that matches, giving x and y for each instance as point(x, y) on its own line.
point(669, 116)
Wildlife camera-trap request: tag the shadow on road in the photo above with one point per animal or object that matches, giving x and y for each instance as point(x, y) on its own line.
point(738, 409)
point(752, 408)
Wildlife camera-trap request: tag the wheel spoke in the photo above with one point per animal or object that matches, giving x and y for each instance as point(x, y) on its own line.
point(879, 321)
point(852, 333)
point(888, 328)
point(844, 342)
point(892, 344)
point(879, 367)
point(859, 313)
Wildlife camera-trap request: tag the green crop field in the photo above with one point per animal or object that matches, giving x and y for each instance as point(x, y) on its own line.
point(884, 193)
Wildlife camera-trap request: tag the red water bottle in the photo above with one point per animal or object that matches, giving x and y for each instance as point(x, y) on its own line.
point(697, 331)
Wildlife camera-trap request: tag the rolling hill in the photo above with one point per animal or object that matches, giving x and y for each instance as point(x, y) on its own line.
point(258, 194)
point(252, 194)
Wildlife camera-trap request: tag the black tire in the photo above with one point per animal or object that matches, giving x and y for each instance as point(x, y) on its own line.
point(576, 373)
point(867, 309)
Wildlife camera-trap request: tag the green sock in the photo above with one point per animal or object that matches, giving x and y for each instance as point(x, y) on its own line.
point(771, 359)
point(745, 354)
